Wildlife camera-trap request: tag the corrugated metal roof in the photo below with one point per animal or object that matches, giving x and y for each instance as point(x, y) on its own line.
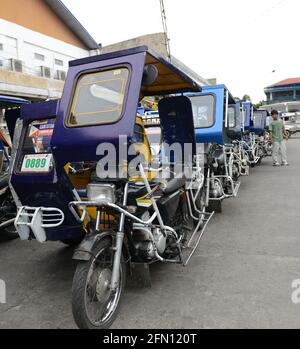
point(71, 21)
point(291, 81)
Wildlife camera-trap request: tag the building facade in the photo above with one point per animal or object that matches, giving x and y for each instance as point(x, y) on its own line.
point(37, 40)
point(284, 96)
point(156, 42)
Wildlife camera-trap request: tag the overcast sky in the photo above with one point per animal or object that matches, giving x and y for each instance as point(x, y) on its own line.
point(240, 42)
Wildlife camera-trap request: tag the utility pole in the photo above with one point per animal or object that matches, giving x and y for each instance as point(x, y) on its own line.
point(164, 22)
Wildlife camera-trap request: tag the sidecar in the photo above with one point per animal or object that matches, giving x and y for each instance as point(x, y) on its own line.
point(235, 122)
point(36, 181)
point(211, 116)
point(252, 127)
point(259, 121)
point(217, 123)
point(11, 108)
point(247, 116)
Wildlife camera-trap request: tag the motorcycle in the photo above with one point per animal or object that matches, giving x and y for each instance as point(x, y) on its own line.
point(82, 171)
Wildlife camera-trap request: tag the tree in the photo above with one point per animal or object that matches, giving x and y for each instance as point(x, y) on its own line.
point(246, 98)
point(259, 104)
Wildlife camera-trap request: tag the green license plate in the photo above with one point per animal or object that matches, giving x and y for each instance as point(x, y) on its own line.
point(37, 163)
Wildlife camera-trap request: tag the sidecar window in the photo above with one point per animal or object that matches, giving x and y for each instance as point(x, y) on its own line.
point(231, 117)
point(99, 98)
point(203, 111)
point(257, 119)
point(38, 137)
point(138, 136)
point(154, 135)
point(243, 115)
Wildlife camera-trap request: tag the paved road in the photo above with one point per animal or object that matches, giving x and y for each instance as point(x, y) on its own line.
point(240, 277)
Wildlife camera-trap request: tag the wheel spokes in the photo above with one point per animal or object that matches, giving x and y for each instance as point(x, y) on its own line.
point(98, 310)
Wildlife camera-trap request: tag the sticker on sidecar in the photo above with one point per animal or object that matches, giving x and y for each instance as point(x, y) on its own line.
point(41, 130)
point(37, 163)
point(146, 200)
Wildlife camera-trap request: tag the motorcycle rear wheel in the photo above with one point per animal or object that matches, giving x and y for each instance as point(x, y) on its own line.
point(94, 305)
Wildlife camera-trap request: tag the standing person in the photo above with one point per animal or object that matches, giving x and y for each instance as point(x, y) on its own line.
point(277, 137)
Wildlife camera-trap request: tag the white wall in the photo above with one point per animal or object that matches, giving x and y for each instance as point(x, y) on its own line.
point(22, 43)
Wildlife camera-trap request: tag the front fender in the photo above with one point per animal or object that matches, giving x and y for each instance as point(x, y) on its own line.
point(84, 252)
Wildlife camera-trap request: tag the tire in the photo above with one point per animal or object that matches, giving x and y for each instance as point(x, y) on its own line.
point(237, 174)
point(9, 233)
point(215, 206)
point(83, 274)
point(72, 242)
point(259, 161)
point(288, 133)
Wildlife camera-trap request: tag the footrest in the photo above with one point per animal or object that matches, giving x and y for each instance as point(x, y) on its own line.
point(236, 187)
point(245, 171)
point(197, 235)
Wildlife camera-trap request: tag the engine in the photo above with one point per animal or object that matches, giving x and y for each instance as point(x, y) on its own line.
point(144, 239)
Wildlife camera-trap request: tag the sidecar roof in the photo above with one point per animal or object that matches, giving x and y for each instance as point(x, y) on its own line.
point(81, 142)
point(12, 113)
point(170, 78)
point(10, 102)
point(40, 110)
point(221, 87)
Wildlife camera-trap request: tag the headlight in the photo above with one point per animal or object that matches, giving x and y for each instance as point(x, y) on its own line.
point(101, 193)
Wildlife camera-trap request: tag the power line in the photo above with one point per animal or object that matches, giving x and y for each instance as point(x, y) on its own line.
point(164, 23)
point(270, 9)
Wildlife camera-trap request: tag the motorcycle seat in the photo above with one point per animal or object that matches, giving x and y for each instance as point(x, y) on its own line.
point(175, 184)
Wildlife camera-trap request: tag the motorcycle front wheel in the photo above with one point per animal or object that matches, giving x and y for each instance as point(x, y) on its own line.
point(94, 305)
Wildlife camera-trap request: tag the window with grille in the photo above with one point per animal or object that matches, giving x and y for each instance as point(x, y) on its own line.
point(39, 57)
point(59, 62)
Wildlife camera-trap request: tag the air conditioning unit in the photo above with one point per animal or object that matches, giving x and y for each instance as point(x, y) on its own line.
point(61, 75)
point(45, 72)
point(16, 65)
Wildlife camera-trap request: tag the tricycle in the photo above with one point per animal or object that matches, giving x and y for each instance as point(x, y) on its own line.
point(212, 129)
point(253, 127)
point(82, 171)
point(8, 210)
